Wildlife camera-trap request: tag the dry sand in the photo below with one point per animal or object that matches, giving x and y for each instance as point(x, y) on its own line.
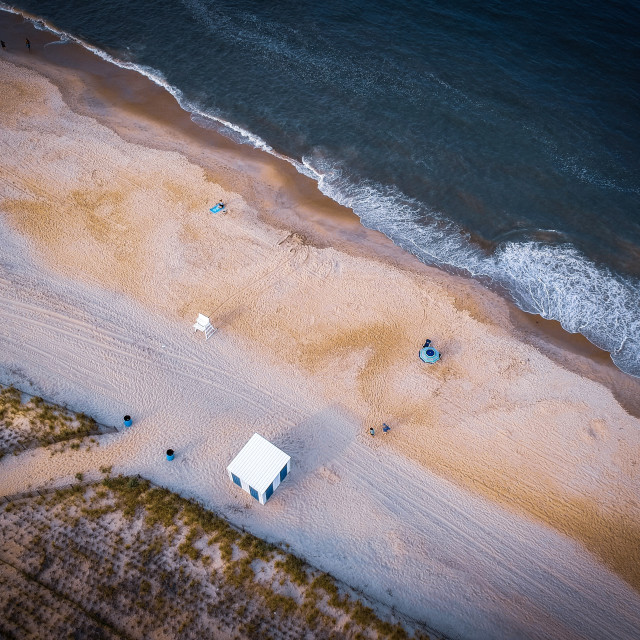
point(503, 503)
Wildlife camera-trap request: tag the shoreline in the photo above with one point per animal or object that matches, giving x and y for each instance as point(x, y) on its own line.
point(109, 254)
point(302, 209)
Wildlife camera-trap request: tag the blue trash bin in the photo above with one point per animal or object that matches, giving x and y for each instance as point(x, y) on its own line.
point(127, 421)
point(170, 454)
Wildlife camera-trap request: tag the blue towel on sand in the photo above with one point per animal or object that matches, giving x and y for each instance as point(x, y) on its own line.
point(217, 208)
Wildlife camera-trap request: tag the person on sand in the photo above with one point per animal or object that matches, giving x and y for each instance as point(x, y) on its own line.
point(4, 46)
point(371, 431)
point(28, 43)
point(221, 204)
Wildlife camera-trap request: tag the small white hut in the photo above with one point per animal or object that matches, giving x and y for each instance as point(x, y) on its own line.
point(259, 468)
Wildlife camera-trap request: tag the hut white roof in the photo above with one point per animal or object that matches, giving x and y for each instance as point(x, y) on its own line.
point(258, 463)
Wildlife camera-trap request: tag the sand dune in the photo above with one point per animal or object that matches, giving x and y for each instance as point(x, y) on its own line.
point(503, 504)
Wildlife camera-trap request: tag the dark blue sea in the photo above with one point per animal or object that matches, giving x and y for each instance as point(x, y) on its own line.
point(496, 138)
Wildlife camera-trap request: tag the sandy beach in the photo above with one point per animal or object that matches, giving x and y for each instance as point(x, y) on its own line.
point(504, 501)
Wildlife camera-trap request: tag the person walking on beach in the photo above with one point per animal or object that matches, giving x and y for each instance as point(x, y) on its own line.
point(28, 43)
point(4, 46)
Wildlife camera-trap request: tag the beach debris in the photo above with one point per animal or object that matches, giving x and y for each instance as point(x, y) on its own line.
point(203, 324)
point(170, 454)
point(428, 354)
point(259, 468)
point(218, 208)
point(385, 427)
point(127, 421)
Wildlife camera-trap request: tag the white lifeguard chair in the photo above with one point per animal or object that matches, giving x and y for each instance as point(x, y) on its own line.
point(203, 324)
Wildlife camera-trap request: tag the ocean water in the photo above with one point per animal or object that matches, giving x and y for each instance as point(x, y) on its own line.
point(499, 139)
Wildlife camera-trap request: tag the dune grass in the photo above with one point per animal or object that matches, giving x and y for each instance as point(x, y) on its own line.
point(123, 558)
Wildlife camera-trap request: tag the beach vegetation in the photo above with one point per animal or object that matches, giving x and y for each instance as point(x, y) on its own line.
point(294, 567)
point(153, 567)
point(256, 548)
point(37, 423)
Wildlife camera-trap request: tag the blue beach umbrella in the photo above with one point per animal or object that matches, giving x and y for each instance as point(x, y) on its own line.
point(428, 354)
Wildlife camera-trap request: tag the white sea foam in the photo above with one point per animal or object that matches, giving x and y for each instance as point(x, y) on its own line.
point(228, 129)
point(426, 234)
point(557, 282)
point(157, 77)
point(280, 45)
point(554, 281)
point(590, 176)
